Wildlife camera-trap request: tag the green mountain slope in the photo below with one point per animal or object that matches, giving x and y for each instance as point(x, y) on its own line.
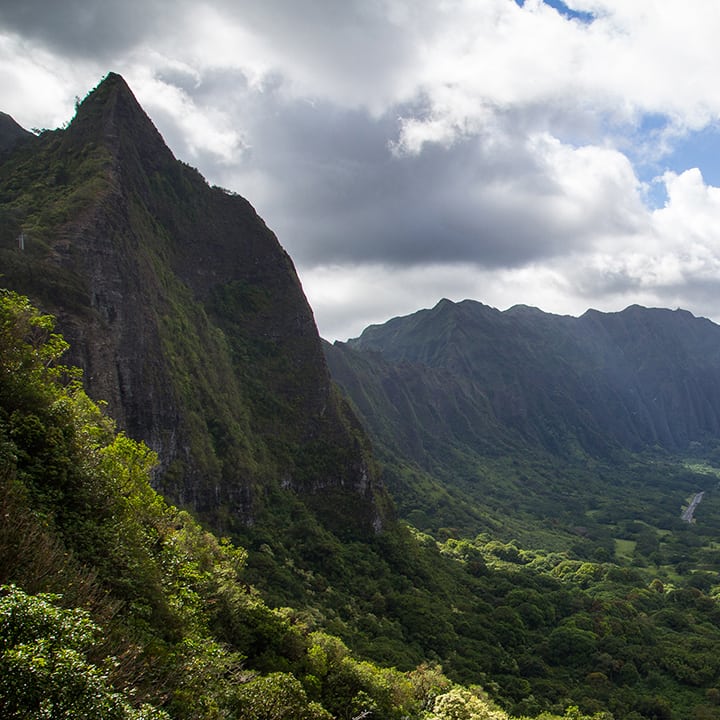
point(524, 417)
point(115, 605)
point(186, 316)
point(152, 617)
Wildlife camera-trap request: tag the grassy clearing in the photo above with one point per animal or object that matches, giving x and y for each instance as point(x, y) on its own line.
point(624, 549)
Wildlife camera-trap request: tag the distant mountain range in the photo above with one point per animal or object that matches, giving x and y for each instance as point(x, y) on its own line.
point(496, 380)
point(472, 409)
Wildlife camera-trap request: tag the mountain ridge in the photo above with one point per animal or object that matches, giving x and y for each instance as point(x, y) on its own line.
point(528, 361)
point(186, 316)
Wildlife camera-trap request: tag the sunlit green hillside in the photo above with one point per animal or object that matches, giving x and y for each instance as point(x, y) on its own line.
point(149, 614)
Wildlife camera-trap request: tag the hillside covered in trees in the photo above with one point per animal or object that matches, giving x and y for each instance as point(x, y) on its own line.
point(196, 524)
point(116, 604)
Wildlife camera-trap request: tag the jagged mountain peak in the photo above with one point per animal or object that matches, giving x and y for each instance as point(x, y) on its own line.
point(185, 314)
point(111, 116)
point(112, 102)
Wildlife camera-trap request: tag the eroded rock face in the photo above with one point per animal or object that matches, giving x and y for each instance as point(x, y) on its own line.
point(185, 314)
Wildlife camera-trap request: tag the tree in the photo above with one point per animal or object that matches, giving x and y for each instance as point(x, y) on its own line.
point(461, 704)
point(44, 669)
point(278, 696)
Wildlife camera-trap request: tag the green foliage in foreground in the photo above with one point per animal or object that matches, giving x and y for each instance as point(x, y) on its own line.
point(44, 668)
point(117, 605)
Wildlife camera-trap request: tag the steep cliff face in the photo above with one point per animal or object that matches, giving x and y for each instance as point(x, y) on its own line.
point(185, 314)
point(663, 370)
point(630, 380)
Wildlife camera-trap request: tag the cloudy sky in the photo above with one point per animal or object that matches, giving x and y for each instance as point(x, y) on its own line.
point(562, 155)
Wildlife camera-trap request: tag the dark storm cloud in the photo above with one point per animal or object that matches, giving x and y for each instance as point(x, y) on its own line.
point(341, 195)
point(85, 28)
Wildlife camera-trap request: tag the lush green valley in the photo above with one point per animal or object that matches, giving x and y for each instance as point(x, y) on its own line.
point(480, 520)
point(148, 613)
point(460, 403)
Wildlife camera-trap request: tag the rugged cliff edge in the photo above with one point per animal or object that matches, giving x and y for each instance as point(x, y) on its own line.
point(186, 316)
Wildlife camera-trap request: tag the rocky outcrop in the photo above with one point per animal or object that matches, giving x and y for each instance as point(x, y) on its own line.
point(186, 315)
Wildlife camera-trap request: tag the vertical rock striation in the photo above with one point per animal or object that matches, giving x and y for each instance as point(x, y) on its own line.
point(186, 316)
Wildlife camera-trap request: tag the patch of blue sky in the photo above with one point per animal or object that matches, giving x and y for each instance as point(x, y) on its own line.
point(653, 122)
point(647, 146)
point(564, 10)
point(699, 149)
point(655, 193)
point(655, 148)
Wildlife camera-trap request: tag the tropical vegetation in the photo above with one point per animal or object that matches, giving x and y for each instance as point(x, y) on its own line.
point(115, 604)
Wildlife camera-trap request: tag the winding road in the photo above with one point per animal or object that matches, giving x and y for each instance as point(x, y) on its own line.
point(687, 514)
